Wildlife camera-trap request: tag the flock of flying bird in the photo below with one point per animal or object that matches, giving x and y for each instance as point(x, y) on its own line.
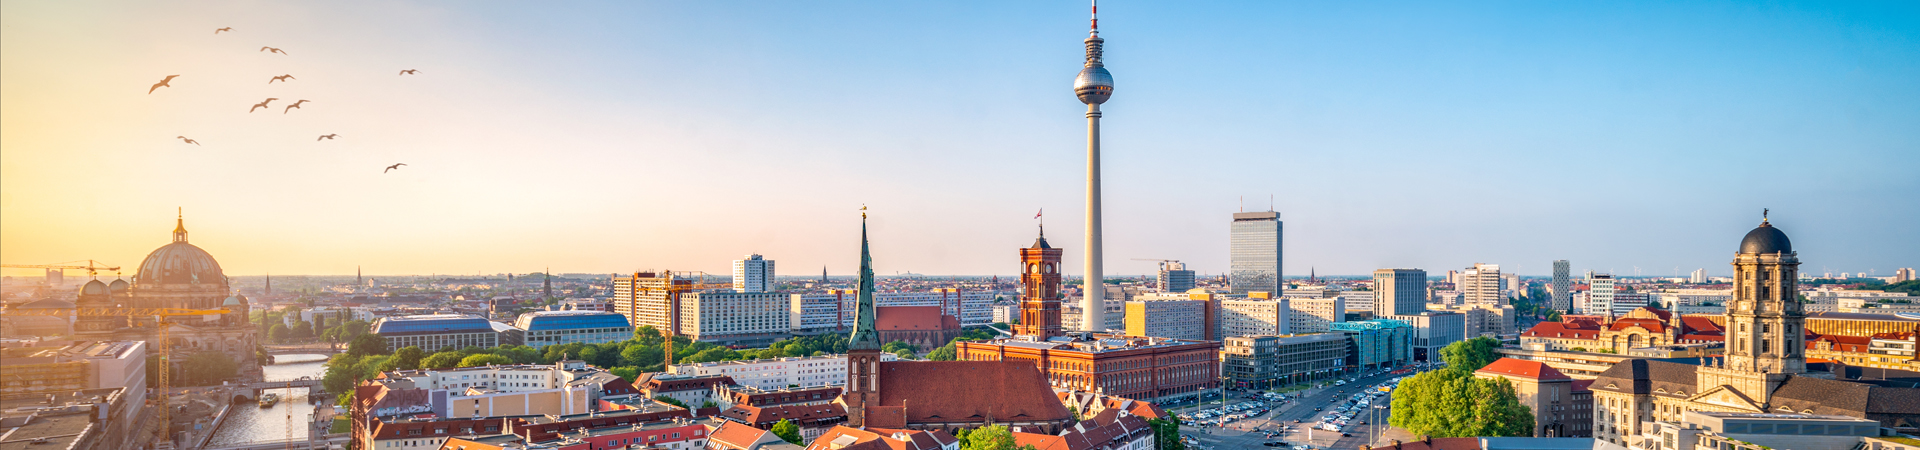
point(264, 103)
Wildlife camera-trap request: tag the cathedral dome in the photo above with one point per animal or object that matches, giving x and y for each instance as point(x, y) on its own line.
point(1766, 239)
point(235, 300)
point(94, 287)
point(117, 287)
point(179, 263)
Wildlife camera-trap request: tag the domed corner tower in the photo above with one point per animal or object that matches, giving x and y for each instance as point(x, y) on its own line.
point(1766, 325)
point(237, 315)
point(100, 295)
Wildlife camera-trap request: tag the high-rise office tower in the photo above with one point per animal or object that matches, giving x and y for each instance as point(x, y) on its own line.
point(1174, 277)
point(753, 274)
point(1039, 290)
point(1399, 292)
point(1480, 285)
point(1562, 285)
point(1600, 294)
point(1254, 254)
point(1094, 86)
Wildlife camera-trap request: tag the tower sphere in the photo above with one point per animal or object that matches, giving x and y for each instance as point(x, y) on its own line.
point(1094, 85)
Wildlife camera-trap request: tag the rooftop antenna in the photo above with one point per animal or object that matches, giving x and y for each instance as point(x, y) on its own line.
point(1243, 203)
point(1269, 202)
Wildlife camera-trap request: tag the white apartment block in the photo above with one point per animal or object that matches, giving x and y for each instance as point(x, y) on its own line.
point(778, 373)
point(1116, 314)
point(1005, 313)
point(736, 316)
point(1480, 284)
point(817, 313)
point(1315, 315)
point(1255, 317)
point(753, 274)
point(1599, 294)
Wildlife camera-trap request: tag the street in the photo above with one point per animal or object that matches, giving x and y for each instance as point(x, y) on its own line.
point(1247, 433)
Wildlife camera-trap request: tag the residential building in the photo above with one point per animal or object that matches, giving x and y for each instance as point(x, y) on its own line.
point(1548, 393)
point(86, 419)
point(1562, 286)
point(1484, 319)
point(1254, 252)
point(1433, 330)
point(1699, 276)
point(1115, 315)
point(832, 311)
point(1174, 319)
point(1903, 274)
point(753, 274)
point(731, 435)
point(1005, 313)
point(1377, 343)
point(1599, 294)
point(740, 318)
point(813, 419)
point(432, 332)
point(1512, 286)
point(1119, 431)
point(876, 438)
point(544, 328)
point(1316, 315)
point(725, 396)
point(1174, 277)
point(1266, 362)
point(1254, 317)
point(1481, 285)
point(1399, 292)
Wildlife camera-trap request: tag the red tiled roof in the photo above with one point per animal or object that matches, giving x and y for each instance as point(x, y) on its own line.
point(1703, 338)
point(1523, 369)
point(1561, 330)
point(738, 435)
point(1902, 336)
point(1582, 385)
point(769, 415)
point(965, 391)
point(1700, 324)
point(1649, 324)
point(877, 438)
point(1664, 315)
point(1857, 344)
point(913, 318)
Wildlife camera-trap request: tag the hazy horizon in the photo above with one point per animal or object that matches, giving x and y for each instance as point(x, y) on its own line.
point(628, 136)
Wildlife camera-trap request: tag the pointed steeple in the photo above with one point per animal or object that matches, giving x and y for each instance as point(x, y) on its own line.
point(180, 226)
point(865, 336)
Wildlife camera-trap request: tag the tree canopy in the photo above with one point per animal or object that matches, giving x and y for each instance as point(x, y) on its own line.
point(1470, 355)
point(485, 359)
point(1454, 403)
point(787, 431)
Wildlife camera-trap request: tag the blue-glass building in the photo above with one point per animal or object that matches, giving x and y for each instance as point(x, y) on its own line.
point(432, 332)
point(1377, 344)
point(544, 328)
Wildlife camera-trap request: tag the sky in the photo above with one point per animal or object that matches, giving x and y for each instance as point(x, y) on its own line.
point(622, 136)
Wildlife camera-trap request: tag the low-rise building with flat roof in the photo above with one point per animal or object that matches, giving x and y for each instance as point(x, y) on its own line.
point(432, 332)
point(544, 328)
point(1265, 362)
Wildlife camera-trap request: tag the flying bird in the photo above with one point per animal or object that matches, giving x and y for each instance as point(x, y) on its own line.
point(409, 72)
point(281, 78)
point(325, 136)
point(161, 84)
point(217, 31)
point(189, 141)
point(390, 168)
point(292, 106)
point(263, 104)
point(272, 50)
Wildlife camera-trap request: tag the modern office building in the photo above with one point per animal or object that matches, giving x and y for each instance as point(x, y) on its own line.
point(544, 328)
point(1265, 362)
point(1599, 294)
point(1254, 252)
point(1562, 286)
point(1377, 343)
point(1315, 315)
point(432, 332)
point(1174, 277)
point(1481, 285)
point(753, 274)
point(1433, 330)
point(1399, 292)
point(1173, 319)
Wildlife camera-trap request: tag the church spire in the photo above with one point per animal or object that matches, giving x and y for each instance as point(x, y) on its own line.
point(180, 226)
point(864, 334)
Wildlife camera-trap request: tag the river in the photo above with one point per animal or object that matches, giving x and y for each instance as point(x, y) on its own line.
point(250, 423)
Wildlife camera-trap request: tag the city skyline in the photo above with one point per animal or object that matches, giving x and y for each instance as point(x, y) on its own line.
point(522, 156)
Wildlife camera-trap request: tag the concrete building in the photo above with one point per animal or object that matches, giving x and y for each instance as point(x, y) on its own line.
point(1433, 330)
point(1399, 292)
point(1703, 430)
point(1377, 343)
point(1115, 314)
point(1255, 317)
point(1254, 252)
point(1173, 319)
point(1481, 285)
point(1482, 319)
point(1600, 293)
point(1557, 410)
point(1316, 315)
point(1265, 362)
point(77, 366)
point(544, 328)
point(1512, 286)
point(1903, 274)
point(745, 318)
point(832, 311)
point(753, 274)
point(1562, 286)
point(432, 332)
point(88, 419)
point(1149, 369)
point(1699, 276)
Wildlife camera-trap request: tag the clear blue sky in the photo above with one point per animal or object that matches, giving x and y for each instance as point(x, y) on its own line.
point(622, 136)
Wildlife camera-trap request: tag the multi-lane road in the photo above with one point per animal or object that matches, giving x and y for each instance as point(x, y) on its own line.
point(1248, 433)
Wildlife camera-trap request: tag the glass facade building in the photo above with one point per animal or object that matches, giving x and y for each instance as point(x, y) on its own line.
point(433, 332)
point(1254, 254)
point(544, 328)
point(1377, 343)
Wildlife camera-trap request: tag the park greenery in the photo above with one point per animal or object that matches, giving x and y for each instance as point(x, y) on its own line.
point(787, 431)
point(1451, 402)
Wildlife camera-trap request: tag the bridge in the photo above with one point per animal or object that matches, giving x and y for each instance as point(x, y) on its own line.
point(329, 442)
point(304, 349)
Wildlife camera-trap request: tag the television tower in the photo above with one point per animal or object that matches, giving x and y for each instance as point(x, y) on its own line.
point(1093, 86)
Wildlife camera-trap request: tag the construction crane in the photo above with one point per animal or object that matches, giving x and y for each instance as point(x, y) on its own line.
point(92, 267)
point(159, 315)
point(697, 281)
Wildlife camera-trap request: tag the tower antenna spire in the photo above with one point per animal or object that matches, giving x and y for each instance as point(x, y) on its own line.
point(1096, 17)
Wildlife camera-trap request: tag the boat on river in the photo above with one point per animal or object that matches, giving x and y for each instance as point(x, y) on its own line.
point(267, 400)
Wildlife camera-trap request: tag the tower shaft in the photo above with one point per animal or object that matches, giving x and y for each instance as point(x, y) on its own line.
point(1093, 305)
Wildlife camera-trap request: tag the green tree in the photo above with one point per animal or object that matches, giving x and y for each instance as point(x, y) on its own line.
point(485, 359)
point(944, 353)
point(1166, 434)
point(442, 360)
point(628, 373)
point(787, 431)
point(647, 335)
point(642, 355)
point(1470, 355)
point(207, 368)
point(670, 401)
point(302, 330)
point(1454, 403)
point(279, 333)
point(368, 344)
point(905, 353)
point(408, 358)
point(991, 437)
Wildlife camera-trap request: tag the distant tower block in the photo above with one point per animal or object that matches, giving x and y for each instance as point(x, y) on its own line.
point(1094, 86)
